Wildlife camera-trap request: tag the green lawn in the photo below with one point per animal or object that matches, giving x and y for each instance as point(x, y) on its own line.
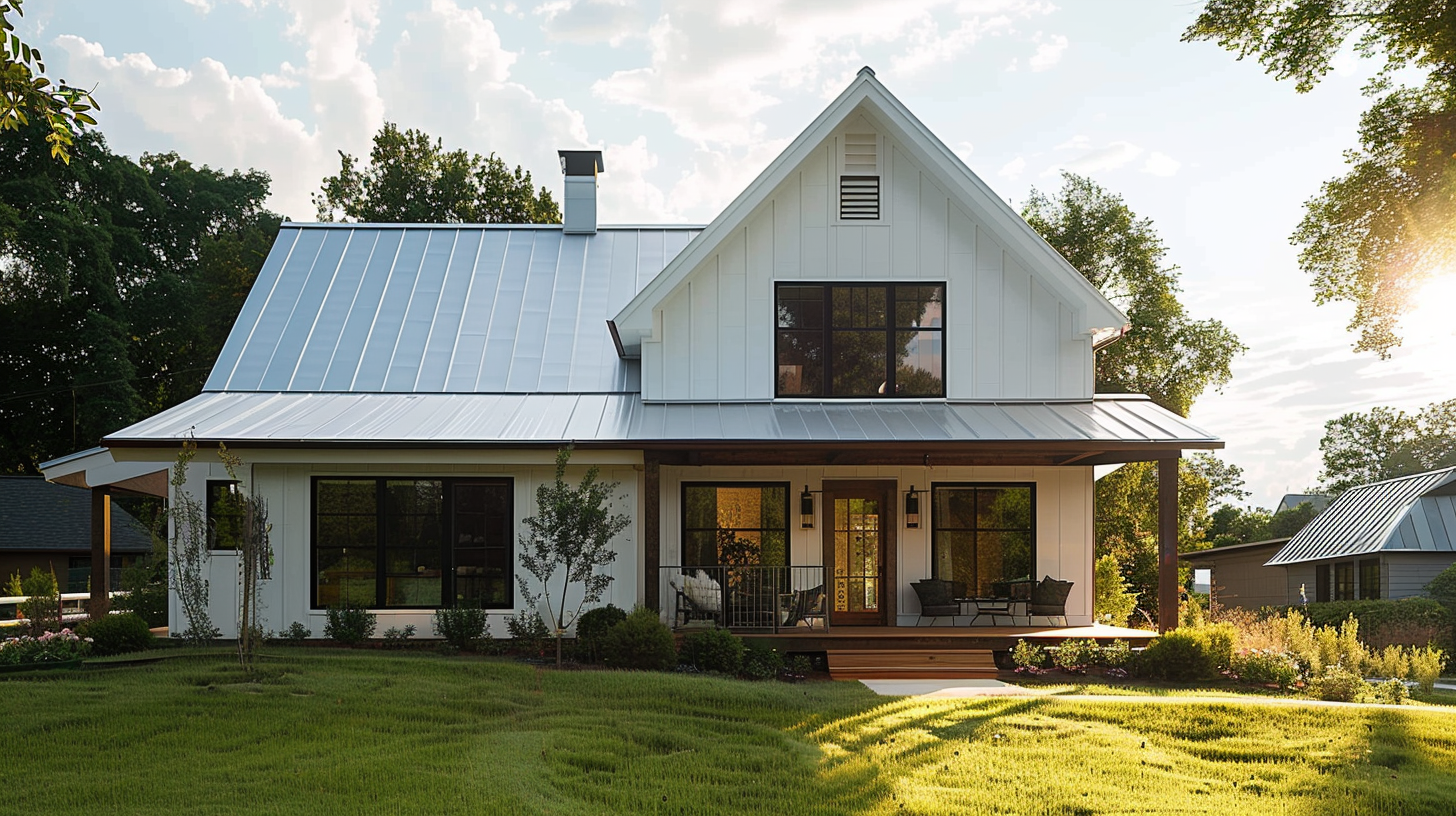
point(343, 732)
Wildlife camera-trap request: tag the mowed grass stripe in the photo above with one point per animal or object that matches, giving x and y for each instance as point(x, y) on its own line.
point(341, 732)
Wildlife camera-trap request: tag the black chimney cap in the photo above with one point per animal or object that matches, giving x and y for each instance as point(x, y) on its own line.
point(581, 162)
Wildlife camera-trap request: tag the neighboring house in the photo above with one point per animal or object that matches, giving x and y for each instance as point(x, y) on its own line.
point(866, 371)
point(48, 526)
point(1238, 577)
point(1290, 501)
point(1381, 540)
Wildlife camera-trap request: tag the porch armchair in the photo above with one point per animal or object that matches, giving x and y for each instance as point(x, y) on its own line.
point(806, 606)
point(1049, 599)
point(937, 600)
point(698, 599)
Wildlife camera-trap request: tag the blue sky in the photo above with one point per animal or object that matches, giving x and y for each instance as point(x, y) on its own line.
point(690, 100)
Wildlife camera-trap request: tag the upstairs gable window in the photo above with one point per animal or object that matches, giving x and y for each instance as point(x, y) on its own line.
point(860, 340)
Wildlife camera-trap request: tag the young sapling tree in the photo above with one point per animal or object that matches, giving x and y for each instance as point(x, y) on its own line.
point(567, 542)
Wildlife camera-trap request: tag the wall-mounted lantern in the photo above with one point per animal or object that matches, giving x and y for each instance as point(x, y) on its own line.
point(806, 509)
point(912, 509)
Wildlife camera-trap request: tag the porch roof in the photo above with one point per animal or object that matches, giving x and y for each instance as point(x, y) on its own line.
point(1087, 428)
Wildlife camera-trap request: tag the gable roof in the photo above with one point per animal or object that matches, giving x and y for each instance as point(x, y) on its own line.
point(1411, 513)
point(441, 308)
point(37, 516)
point(867, 96)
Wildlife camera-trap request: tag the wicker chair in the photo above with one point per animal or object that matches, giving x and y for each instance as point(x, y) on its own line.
point(936, 600)
point(1049, 599)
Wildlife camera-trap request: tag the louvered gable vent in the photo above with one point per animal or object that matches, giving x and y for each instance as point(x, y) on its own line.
point(859, 186)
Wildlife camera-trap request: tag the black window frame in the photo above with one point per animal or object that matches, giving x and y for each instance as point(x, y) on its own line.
point(683, 521)
point(936, 523)
point(1342, 582)
point(827, 330)
point(1369, 579)
point(447, 544)
point(220, 524)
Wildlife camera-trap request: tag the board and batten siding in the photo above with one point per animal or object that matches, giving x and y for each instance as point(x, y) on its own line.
point(1007, 335)
point(1063, 520)
point(287, 488)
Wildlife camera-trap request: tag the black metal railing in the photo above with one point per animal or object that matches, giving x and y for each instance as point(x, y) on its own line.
point(757, 598)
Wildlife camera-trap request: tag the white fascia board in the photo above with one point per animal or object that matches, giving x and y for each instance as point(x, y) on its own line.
point(634, 322)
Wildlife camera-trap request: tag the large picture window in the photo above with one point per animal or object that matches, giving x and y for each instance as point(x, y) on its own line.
point(735, 525)
point(412, 543)
point(860, 340)
point(983, 535)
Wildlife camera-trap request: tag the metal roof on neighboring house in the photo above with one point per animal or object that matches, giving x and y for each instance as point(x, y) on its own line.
point(37, 516)
point(460, 308)
point(1412, 513)
point(556, 418)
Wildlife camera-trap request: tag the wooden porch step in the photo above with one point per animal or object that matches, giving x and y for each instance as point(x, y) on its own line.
point(910, 664)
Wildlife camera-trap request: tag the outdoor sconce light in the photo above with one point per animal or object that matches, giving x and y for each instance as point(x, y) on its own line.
point(912, 509)
point(806, 509)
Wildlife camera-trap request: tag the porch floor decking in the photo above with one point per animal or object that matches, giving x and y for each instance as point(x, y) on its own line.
point(939, 639)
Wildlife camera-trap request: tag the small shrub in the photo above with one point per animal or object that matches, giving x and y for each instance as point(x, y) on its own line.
point(714, 650)
point(394, 637)
point(1266, 668)
point(1339, 684)
point(1028, 656)
point(1075, 655)
point(1425, 667)
point(761, 661)
point(529, 635)
point(640, 641)
point(144, 585)
point(1391, 692)
point(1181, 655)
point(296, 633)
point(1222, 639)
point(350, 625)
point(592, 628)
point(1392, 661)
point(1404, 622)
point(799, 667)
point(117, 634)
point(1115, 655)
point(462, 627)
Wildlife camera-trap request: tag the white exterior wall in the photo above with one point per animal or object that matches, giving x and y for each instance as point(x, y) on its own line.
point(287, 488)
point(1007, 336)
point(1063, 497)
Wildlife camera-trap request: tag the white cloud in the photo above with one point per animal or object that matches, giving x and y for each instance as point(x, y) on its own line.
point(1013, 169)
point(591, 21)
point(1048, 53)
point(1161, 164)
point(1096, 160)
point(714, 68)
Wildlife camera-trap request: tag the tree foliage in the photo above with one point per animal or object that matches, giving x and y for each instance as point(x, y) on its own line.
point(1232, 525)
point(26, 93)
point(1374, 235)
point(570, 539)
point(1165, 354)
point(119, 281)
point(411, 178)
point(1384, 443)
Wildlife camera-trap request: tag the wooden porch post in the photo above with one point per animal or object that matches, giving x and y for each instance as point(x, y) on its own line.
point(1167, 544)
point(651, 529)
point(100, 600)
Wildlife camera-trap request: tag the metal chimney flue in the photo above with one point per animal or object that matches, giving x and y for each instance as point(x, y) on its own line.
point(579, 204)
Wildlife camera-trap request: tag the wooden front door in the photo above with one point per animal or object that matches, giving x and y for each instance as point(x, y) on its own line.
point(858, 521)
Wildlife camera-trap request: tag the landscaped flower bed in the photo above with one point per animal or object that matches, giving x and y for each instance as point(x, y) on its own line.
point(50, 650)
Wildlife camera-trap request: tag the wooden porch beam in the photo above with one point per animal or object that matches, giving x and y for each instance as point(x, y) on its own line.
point(1167, 544)
point(651, 529)
point(100, 600)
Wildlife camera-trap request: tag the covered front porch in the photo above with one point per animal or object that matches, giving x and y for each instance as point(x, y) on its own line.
point(810, 538)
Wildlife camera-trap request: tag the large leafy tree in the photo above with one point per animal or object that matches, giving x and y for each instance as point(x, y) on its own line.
point(1372, 236)
point(1165, 354)
point(1360, 448)
point(27, 94)
point(411, 178)
point(119, 281)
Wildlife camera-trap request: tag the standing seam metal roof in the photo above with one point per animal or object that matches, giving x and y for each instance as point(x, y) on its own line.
point(1393, 515)
point(441, 309)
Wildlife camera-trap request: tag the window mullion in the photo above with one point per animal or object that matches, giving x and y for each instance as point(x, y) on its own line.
point(379, 536)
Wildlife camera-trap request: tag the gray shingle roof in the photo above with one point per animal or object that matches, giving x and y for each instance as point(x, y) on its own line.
point(1412, 513)
point(36, 515)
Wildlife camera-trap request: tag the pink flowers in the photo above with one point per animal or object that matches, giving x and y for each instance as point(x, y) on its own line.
point(50, 647)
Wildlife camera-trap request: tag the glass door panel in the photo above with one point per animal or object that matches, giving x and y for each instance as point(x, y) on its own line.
point(858, 542)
